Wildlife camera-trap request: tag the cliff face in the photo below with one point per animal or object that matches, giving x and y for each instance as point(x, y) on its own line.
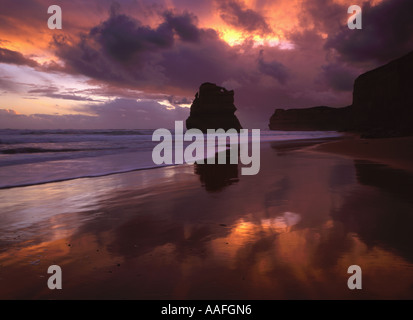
point(316, 118)
point(382, 105)
point(383, 99)
point(213, 108)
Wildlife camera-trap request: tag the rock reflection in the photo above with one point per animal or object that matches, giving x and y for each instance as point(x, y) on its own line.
point(397, 182)
point(382, 214)
point(215, 177)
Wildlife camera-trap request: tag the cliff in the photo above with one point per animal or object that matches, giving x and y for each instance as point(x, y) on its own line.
point(316, 118)
point(213, 108)
point(382, 105)
point(383, 99)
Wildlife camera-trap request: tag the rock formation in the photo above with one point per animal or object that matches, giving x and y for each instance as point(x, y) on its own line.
point(213, 108)
point(316, 118)
point(215, 177)
point(383, 99)
point(382, 105)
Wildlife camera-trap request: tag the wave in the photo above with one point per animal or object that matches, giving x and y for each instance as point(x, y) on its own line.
point(44, 157)
point(42, 150)
point(78, 132)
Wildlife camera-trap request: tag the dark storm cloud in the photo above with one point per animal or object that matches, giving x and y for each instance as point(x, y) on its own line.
point(210, 60)
point(235, 14)
point(184, 26)
point(87, 59)
point(273, 69)
point(14, 57)
point(387, 33)
point(123, 37)
point(161, 53)
point(176, 53)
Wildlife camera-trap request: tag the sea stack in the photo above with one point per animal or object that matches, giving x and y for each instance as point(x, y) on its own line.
point(213, 108)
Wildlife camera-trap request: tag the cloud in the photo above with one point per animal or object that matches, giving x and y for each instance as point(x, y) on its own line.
point(115, 114)
point(141, 114)
point(151, 50)
point(14, 57)
point(273, 69)
point(53, 92)
point(10, 119)
point(14, 15)
point(123, 37)
point(8, 85)
point(183, 25)
point(387, 33)
point(176, 55)
point(235, 14)
point(325, 16)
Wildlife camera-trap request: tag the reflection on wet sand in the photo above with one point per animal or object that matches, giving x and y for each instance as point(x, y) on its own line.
point(288, 233)
point(215, 177)
point(381, 214)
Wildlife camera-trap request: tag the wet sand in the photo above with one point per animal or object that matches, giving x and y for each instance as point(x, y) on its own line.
point(207, 232)
point(396, 152)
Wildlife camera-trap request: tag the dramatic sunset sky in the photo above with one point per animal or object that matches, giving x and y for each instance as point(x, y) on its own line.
point(138, 63)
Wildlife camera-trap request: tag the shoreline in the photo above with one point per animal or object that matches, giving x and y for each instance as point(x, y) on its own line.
point(84, 177)
point(279, 144)
point(395, 152)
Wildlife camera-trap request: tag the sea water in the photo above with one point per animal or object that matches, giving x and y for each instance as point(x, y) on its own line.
point(29, 157)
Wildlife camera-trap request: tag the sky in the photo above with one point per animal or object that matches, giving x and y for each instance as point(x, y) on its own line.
point(137, 64)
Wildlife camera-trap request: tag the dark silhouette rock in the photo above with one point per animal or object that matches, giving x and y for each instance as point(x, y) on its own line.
point(213, 108)
point(215, 177)
point(382, 106)
point(383, 100)
point(316, 118)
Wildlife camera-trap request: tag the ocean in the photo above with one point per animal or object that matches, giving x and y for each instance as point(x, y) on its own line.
point(30, 157)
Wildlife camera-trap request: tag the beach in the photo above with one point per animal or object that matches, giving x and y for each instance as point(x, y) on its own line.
point(208, 232)
point(396, 152)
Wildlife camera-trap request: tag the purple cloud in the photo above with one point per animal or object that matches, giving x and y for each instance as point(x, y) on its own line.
point(338, 76)
point(387, 34)
point(14, 57)
point(273, 69)
point(235, 14)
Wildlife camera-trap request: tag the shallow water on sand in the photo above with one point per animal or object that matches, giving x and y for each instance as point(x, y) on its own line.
point(207, 232)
